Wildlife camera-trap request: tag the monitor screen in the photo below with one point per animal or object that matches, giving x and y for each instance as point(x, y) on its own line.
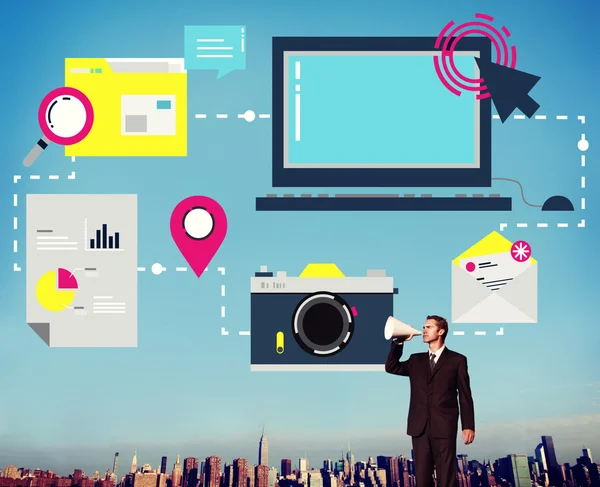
point(373, 112)
point(377, 109)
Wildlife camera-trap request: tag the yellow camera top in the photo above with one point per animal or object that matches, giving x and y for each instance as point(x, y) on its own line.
point(321, 271)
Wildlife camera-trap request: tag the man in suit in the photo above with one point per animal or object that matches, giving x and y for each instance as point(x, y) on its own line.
point(437, 377)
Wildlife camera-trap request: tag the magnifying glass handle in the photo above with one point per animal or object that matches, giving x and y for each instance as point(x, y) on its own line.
point(36, 151)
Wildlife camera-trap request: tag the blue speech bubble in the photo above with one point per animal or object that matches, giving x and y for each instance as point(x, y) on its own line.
point(218, 47)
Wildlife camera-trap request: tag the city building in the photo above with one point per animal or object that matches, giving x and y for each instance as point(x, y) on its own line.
point(212, 472)
point(263, 449)
point(190, 472)
point(177, 475)
point(519, 471)
point(133, 468)
point(240, 472)
point(286, 467)
point(261, 476)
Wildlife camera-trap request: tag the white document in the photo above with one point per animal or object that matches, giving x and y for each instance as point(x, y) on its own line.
point(81, 269)
point(148, 115)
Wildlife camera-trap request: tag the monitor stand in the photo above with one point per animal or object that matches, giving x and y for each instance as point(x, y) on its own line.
point(383, 202)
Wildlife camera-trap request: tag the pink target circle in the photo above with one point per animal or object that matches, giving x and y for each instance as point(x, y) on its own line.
point(66, 116)
point(448, 69)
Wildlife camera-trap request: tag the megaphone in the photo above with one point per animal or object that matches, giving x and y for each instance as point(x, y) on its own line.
point(395, 328)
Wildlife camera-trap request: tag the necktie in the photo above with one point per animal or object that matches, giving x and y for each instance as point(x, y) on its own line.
point(431, 362)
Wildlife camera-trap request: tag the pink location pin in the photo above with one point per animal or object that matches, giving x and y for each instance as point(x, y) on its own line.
point(198, 226)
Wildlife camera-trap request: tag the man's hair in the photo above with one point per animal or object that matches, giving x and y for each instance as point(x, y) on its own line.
point(441, 324)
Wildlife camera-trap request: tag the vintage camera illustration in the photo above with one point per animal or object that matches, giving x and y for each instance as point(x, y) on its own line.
point(320, 320)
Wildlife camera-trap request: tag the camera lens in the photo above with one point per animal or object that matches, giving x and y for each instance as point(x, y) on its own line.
point(323, 324)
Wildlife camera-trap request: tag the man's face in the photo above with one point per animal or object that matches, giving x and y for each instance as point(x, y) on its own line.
point(430, 331)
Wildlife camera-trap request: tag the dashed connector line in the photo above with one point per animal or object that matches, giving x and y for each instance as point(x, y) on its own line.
point(583, 145)
point(581, 118)
point(503, 226)
point(249, 116)
point(500, 332)
point(224, 332)
point(37, 177)
point(157, 269)
point(32, 177)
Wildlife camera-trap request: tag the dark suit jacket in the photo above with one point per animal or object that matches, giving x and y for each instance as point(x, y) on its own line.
point(433, 396)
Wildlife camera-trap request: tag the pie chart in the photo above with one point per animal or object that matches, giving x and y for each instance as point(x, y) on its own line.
point(55, 290)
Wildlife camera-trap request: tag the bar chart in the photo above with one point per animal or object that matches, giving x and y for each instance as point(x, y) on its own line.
point(101, 239)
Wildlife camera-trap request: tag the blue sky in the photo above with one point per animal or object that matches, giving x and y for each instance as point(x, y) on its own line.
point(187, 389)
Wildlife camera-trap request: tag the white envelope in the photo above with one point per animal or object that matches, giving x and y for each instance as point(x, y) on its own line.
point(514, 300)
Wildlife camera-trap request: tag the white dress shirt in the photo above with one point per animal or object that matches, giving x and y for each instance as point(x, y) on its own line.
point(437, 354)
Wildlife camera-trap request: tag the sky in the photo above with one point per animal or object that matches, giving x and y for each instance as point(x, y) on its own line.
point(186, 389)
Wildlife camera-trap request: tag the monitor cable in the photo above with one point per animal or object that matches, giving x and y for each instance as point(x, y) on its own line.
point(521, 188)
point(554, 203)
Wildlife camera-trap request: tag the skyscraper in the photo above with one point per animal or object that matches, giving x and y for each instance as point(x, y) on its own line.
point(549, 451)
point(261, 476)
point(540, 456)
point(240, 472)
point(201, 473)
point(212, 471)
point(190, 472)
point(315, 479)
point(250, 480)
point(263, 449)
point(587, 453)
point(555, 476)
point(133, 468)
point(163, 465)
point(286, 467)
point(519, 471)
point(385, 464)
point(115, 468)
point(350, 458)
point(177, 473)
point(228, 475)
point(272, 479)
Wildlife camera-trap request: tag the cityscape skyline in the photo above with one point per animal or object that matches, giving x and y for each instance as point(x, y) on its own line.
point(261, 455)
point(512, 470)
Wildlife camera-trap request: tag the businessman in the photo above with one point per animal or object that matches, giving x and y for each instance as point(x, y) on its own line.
point(437, 377)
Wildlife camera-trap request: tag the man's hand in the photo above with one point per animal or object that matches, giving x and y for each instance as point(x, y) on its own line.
point(468, 436)
point(403, 339)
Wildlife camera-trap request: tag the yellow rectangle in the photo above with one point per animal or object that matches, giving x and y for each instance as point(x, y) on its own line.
point(140, 106)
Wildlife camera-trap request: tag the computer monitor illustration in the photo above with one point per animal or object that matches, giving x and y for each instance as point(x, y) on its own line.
point(372, 112)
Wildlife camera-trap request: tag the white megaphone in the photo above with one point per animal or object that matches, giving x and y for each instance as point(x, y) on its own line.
point(395, 328)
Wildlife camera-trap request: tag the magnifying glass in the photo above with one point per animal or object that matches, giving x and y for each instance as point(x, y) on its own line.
point(66, 117)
